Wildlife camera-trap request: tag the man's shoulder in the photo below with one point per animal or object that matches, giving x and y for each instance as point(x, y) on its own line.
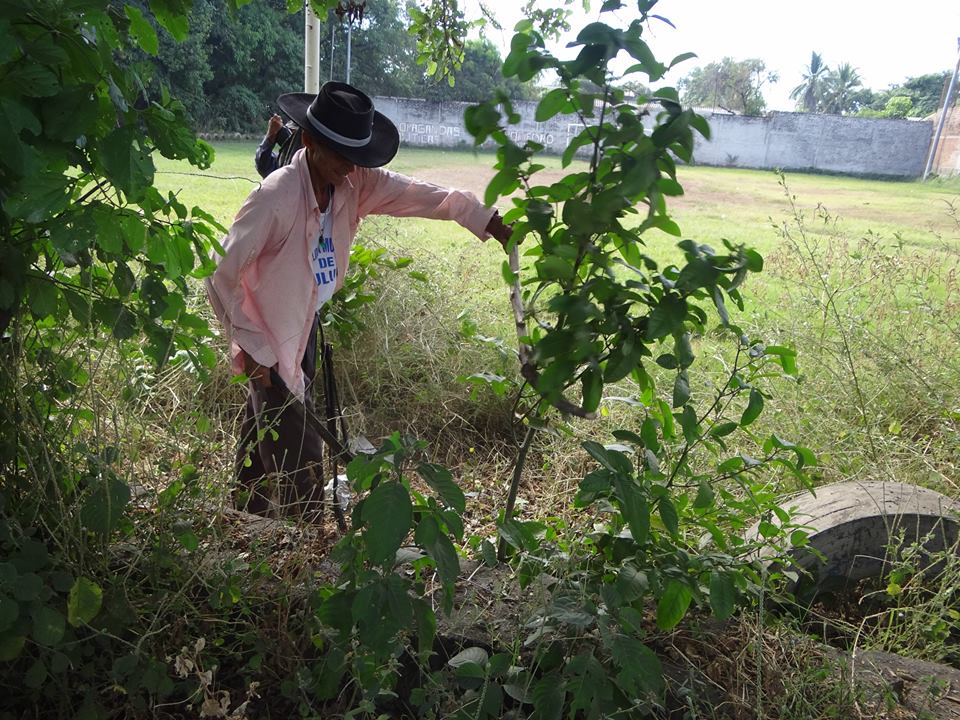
point(282, 181)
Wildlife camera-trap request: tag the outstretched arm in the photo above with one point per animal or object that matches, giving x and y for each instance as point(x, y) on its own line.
point(388, 193)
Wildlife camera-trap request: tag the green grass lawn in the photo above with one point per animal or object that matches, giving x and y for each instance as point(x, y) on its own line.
point(743, 206)
point(880, 389)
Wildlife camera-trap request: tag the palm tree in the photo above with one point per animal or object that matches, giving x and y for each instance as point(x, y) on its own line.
point(807, 93)
point(839, 89)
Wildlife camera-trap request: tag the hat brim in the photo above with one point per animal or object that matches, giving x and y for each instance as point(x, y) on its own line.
point(384, 140)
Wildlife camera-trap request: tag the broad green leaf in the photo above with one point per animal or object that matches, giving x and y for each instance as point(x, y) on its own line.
point(668, 513)
point(688, 422)
point(593, 485)
point(36, 675)
point(592, 389)
point(48, 625)
point(438, 546)
point(83, 602)
point(517, 534)
point(683, 350)
point(721, 594)
point(767, 529)
point(551, 104)
point(548, 697)
point(634, 506)
point(681, 389)
point(44, 297)
point(39, 197)
point(123, 279)
point(70, 114)
point(387, 516)
point(9, 612)
point(753, 409)
point(8, 45)
point(103, 509)
point(141, 30)
point(476, 655)
point(622, 361)
point(610, 459)
point(723, 429)
point(439, 478)
point(127, 164)
point(29, 586)
point(681, 58)
point(426, 622)
point(787, 357)
point(673, 604)
point(11, 643)
point(552, 267)
point(172, 14)
point(503, 183)
point(705, 495)
point(667, 317)
point(631, 583)
point(640, 667)
point(30, 79)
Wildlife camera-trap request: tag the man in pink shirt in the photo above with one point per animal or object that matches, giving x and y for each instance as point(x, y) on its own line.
point(285, 255)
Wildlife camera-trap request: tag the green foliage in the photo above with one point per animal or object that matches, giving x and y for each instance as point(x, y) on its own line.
point(230, 69)
point(80, 206)
point(604, 312)
point(374, 612)
point(924, 93)
point(97, 264)
point(345, 312)
point(478, 77)
point(440, 29)
point(807, 94)
point(840, 90)
point(732, 85)
point(897, 106)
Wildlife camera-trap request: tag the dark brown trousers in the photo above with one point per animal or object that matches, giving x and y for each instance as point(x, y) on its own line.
point(280, 456)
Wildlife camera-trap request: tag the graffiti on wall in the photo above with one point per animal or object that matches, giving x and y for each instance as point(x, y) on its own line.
point(431, 134)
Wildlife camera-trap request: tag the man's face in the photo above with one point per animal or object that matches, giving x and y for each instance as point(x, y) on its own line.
point(326, 165)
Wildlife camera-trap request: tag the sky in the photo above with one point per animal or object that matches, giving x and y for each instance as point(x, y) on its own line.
point(886, 41)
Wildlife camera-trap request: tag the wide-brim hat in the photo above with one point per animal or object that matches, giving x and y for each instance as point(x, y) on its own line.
point(343, 118)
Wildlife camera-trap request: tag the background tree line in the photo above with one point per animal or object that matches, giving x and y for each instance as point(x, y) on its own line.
point(736, 86)
point(233, 65)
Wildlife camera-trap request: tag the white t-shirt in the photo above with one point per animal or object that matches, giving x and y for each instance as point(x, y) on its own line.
point(322, 259)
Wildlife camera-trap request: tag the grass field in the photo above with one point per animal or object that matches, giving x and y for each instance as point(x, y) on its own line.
point(719, 202)
point(860, 277)
point(744, 206)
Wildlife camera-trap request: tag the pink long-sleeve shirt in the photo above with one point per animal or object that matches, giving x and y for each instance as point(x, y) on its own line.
point(263, 290)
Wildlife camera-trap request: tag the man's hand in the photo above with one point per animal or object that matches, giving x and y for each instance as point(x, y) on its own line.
point(255, 371)
point(496, 228)
point(273, 126)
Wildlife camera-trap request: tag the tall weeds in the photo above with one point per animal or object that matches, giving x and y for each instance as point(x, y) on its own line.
point(877, 328)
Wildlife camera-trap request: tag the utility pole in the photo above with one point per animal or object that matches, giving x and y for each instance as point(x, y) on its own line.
point(311, 49)
point(947, 105)
point(353, 11)
point(332, 36)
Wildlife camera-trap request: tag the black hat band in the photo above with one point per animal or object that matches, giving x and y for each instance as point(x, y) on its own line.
point(334, 135)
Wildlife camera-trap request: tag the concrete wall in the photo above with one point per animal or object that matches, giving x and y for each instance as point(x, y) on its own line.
point(791, 141)
point(826, 143)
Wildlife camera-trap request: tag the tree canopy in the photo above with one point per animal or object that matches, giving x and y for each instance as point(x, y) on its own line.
point(840, 91)
point(807, 93)
point(232, 66)
point(732, 85)
point(916, 97)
